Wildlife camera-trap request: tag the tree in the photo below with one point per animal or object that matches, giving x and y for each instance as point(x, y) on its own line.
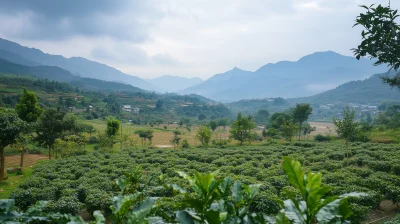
point(180, 123)
point(261, 117)
point(11, 128)
point(176, 139)
point(204, 135)
point(213, 125)
point(241, 128)
point(347, 127)
point(159, 104)
point(288, 130)
point(307, 129)
point(223, 122)
point(28, 108)
point(202, 117)
point(278, 119)
point(145, 135)
point(380, 39)
point(51, 126)
point(113, 126)
point(300, 114)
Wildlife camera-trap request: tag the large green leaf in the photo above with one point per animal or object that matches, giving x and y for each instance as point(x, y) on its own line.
point(237, 192)
point(213, 217)
point(184, 217)
point(99, 218)
point(294, 214)
point(295, 173)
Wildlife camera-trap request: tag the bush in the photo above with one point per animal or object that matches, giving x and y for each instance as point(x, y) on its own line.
point(322, 138)
point(185, 144)
point(93, 140)
point(68, 204)
point(267, 203)
point(89, 117)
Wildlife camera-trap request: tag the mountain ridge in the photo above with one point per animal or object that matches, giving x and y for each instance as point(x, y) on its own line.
point(76, 65)
point(307, 76)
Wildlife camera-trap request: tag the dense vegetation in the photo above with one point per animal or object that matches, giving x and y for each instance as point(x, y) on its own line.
point(87, 182)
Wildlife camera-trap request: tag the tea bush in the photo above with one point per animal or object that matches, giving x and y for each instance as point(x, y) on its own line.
point(87, 182)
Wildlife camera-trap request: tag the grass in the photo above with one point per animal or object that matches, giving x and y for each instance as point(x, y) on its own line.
point(9, 185)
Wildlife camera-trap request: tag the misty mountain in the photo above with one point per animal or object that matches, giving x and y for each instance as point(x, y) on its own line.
point(310, 75)
point(54, 73)
point(171, 83)
point(76, 65)
point(368, 91)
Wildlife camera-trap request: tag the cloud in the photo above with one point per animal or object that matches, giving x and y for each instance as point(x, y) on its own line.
point(131, 54)
point(165, 60)
point(58, 20)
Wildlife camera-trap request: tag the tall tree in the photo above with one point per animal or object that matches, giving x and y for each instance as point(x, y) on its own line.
point(113, 126)
point(288, 130)
point(204, 135)
point(11, 127)
point(262, 117)
point(346, 128)
point(213, 125)
point(52, 126)
point(28, 108)
point(380, 38)
point(300, 114)
point(241, 128)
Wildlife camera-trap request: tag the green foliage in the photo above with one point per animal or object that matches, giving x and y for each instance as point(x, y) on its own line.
point(34, 214)
point(51, 126)
point(186, 145)
point(91, 177)
point(347, 127)
point(380, 38)
point(28, 108)
point(288, 130)
point(145, 135)
point(314, 206)
point(261, 117)
point(176, 139)
point(213, 125)
point(300, 115)
point(241, 128)
point(113, 126)
point(204, 135)
point(202, 117)
point(11, 129)
point(322, 138)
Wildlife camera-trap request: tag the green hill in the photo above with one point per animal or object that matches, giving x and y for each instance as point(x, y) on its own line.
point(54, 73)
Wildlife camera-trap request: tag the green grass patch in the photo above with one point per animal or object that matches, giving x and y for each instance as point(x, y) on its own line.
point(9, 185)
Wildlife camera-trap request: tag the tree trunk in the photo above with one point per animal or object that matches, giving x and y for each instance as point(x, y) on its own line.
point(21, 163)
point(2, 164)
point(49, 152)
point(301, 124)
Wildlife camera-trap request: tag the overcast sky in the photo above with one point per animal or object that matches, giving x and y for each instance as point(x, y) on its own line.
point(191, 38)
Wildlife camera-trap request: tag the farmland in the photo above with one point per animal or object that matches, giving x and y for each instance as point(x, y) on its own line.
point(86, 183)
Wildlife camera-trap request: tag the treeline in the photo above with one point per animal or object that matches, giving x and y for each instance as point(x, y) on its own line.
point(43, 84)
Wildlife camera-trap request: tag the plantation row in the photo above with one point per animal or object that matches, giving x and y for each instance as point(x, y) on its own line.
point(88, 182)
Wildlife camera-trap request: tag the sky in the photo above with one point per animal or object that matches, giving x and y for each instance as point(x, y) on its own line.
point(189, 38)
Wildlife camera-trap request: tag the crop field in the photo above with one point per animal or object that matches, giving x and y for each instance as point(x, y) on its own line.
point(86, 183)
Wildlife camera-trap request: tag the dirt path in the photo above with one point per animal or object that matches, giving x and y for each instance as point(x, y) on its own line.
point(29, 160)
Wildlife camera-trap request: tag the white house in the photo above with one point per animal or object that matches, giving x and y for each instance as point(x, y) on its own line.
point(127, 108)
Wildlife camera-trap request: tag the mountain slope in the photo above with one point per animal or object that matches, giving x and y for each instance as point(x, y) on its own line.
point(312, 74)
point(368, 91)
point(54, 73)
point(76, 65)
point(171, 83)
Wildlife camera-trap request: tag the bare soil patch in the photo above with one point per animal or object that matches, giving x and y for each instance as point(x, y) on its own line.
point(29, 160)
